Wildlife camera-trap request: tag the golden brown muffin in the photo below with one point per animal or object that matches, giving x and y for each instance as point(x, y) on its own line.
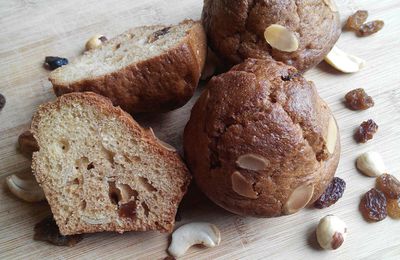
point(260, 141)
point(235, 29)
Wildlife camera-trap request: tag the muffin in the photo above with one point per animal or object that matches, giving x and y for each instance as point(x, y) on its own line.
point(238, 31)
point(260, 141)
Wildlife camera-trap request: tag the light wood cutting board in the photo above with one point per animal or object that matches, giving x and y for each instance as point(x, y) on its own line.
point(31, 30)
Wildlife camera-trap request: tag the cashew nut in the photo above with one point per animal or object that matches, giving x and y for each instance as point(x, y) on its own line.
point(25, 189)
point(191, 234)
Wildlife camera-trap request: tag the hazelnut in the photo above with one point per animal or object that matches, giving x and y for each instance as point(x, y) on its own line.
point(371, 164)
point(27, 143)
point(95, 42)
point(331, 232)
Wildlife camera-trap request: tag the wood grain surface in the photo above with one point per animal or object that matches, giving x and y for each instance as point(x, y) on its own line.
point(31, 30)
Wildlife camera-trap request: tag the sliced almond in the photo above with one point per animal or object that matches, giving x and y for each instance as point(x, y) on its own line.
point(299, 198)
point(331, 4)
point(242, 186)
point(344, 62)
point(252, 162)
point(281, 38)
point(332, 135)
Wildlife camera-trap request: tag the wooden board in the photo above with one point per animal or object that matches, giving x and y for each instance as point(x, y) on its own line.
point(30, 30)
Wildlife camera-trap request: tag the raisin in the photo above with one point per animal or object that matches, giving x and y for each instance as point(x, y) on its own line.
point(355, 21)
point(2, 101)
point(357, 99)
point(370, 28)
point(332, 194)
point(389, 185)
point(393, 208)
point(47, 230)
point(157, 34)
point(53, 62)
point(366, 131)
point(373, 205)
point(127, 210)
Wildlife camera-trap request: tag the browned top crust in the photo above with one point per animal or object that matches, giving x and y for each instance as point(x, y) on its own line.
point(236, 31)
point(264, 108)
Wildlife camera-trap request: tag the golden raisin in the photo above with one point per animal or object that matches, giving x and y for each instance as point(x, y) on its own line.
point(357, 99)
point(365, 131)
point(389, 185)
point(373, 205)
point(370, 28)
point(393, 208)
point(355, 21)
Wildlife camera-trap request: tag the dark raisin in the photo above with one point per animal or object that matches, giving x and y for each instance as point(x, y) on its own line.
point(2, 101)
point(373, 205)
point(389, 185)
point(332, 194)
point(370, 28)
point(127, 210)
point(53, 62)
point(357, 99)
point(290, 76)
point(157, 34)
point(355, 21)
point(365, 131)
point(47, 230)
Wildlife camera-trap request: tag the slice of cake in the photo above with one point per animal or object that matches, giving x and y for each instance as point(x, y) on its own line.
point(146, 69)
point(100, 171)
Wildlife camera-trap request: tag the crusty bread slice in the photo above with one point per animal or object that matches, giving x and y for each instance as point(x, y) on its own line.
point(149, 68)
point(100, 171)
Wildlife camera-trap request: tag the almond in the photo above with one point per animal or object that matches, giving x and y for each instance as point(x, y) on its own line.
point(242, 186)
point(299, 198)
point(332, 135)
point(252, 162)
point(281, 38)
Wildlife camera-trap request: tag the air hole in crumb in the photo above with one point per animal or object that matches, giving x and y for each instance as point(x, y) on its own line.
point(145, 208)
point(136, 159)
point(108, 155)
point(146, 184)
point(64, 145)
point(114, 193)
point(83, 205)
point(76, 181)
point(90, 166)
point(81, 163)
